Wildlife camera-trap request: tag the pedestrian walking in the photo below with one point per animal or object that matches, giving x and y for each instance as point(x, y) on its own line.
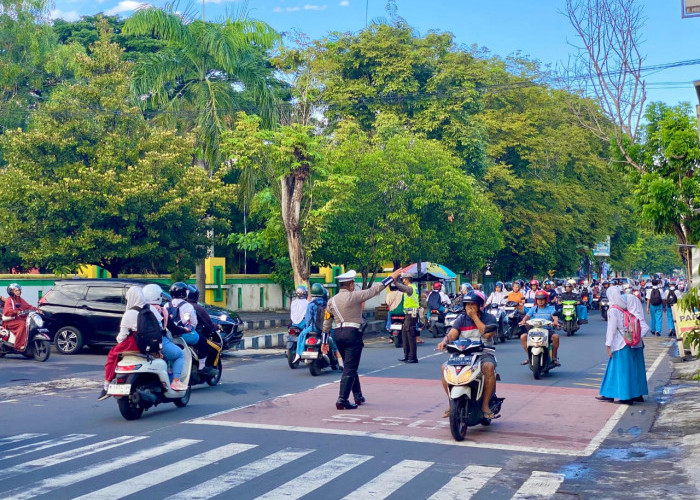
point(655, 307)
point(621, 380)
point(346, 309)
point(671, 297)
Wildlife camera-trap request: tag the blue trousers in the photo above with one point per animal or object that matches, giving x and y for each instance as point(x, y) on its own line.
point(656, 313)
point(669, 315)
point(582, 312)
point(174, 354)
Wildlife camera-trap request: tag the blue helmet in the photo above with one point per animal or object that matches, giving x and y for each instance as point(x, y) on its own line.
point(500, 283)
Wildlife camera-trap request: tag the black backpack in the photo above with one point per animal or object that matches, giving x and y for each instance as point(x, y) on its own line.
point(319, 318)
point(149, 336)
point(672, 298)
point(655, 297)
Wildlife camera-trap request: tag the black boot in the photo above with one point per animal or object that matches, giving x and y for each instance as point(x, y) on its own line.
point(346, 382)
point(357, 392)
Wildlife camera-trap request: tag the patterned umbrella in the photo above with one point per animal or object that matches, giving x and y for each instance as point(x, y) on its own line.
point(430, 270)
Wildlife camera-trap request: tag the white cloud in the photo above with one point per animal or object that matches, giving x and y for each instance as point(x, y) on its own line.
point(69, 16)
point(309, 6)
point(125, 6)
point(344, 3)
point(285, 9)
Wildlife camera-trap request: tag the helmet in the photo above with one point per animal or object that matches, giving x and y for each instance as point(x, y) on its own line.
point(463, 289)
point(437, 286)
point(541, 294)
point(301, 291)
point(571, 282)
point(317, 290)
point(500, 283)
point(12, 287)
point(606, 282)
point(517, 283)
point(474, 297)
point(178, 290)
point(509, 286)
point(547, 282)
point(152, 293)
point(535, 283)
point(192, 294)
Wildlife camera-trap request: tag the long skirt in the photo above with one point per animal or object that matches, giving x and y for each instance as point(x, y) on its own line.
point(624, 378)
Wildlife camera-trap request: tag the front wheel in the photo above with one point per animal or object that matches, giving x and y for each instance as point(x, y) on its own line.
point(69, 340)
point(128, 410)
point(536, 366)
point(182, 402)
point(458, 418)
point(212, 381)
point(42, 350)
point(291, 354)
point(315, 367)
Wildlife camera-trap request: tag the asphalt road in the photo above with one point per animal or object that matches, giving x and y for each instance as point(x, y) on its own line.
point(270, 432)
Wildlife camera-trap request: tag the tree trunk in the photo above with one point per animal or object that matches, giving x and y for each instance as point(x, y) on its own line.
point(200, 272)
point(292, 191)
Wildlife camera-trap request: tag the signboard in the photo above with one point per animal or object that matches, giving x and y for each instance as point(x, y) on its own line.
point(695, 261)
point(603, 249)
point(690, 8)
point(685, 323)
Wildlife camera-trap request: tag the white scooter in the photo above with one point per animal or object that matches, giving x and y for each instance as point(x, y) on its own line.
point(539, 347)
point(142, 381)
point(465, 383)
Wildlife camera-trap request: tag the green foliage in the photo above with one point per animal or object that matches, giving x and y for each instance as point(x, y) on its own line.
point(98, 185)
point(650, 253)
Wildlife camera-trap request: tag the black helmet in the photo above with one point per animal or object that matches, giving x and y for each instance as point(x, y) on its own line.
point(192, 294)
point(11, 287)
point(178, 290)
point(474, 297)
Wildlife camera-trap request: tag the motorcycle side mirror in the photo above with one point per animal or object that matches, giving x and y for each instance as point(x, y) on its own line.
point(490, 328)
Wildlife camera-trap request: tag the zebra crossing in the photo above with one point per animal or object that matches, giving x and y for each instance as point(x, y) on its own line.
point(85, 467)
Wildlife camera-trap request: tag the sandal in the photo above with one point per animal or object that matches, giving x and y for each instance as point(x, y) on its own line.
point(555, 363)
point(446, 414)
point(490, 415)
point(526, 362)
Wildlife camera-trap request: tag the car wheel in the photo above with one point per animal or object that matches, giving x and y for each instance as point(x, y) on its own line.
point(68, 340)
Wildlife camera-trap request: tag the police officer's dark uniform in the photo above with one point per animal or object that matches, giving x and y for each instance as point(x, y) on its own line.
point(345, 308)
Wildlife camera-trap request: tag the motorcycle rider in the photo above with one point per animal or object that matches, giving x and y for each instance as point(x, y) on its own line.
point(177, 325)
point(437, 300)
point(298, 307)
point(317, 306)
point(12, 317)
point(205, 329)
point(471, 324)
point(498, 297)
point(569, 294)
point(152, 295)
point(346, 308)
point(542, 310)
point(534, 288)
point(517, 296)
point(549, 288)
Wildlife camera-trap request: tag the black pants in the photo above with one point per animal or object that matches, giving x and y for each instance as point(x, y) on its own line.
point(408, 337)
point(349, 343)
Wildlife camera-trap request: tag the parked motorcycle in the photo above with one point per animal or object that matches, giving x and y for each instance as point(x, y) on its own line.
point(395, 328)
point(539, 347)
point(38, 340)
point(604, 306)
point(465, 383)
point(292, 339)
point(436, 327)
point(314, 358)
point(142, 381)
point(569, 317)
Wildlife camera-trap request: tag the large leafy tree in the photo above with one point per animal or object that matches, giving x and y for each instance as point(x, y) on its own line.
point(97, 184)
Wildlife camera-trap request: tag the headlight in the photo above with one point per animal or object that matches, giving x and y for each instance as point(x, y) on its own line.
point(38, 321)
point(450, 375)
point(464, 376)
point(223, 317)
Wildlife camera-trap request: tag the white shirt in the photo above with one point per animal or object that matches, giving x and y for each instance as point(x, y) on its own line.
point(185, 308)
point(616, 324)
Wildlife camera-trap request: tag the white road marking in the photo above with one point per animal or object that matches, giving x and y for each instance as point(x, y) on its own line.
point(236, 477)
point(166, 473)
point(19, 437)
point(67, 455)
point(388, 482)
point(76, 476)
point(539, 485)
point(42, 445)
point(314, 479)
point(466, 483)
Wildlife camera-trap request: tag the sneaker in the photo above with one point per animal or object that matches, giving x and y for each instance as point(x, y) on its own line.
point(103, 395)
point(178, 386)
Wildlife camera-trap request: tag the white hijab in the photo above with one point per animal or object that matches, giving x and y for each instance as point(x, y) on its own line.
point(634, 306)
point(615, 298)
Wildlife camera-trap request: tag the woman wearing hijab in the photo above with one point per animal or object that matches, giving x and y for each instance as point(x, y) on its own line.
point(634, 306)
point(620, 380)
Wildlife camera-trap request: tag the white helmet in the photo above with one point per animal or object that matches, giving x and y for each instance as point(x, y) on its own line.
point(152, 294)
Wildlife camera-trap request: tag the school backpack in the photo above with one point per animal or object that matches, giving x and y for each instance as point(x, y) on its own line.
point(149, 336)
point(632, 330)
point(655, 297)
point(319, 318)
point(672, 298)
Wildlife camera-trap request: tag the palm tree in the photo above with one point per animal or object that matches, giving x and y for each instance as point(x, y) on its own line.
point(198, 80)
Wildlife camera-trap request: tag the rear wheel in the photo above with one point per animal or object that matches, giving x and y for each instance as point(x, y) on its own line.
point(291, 354)
point(212, 381)
point(536, 366)
point(69, 340)
point(395, 338)
point(42, 350)
point(458, 418)
point(182, 402)
point(128, 410)
point(315, 367)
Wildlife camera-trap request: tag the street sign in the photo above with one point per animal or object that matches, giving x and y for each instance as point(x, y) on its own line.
point(690, 8)
point(603, 249)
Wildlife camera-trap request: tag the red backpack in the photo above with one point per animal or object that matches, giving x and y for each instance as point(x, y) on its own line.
point(632, 331)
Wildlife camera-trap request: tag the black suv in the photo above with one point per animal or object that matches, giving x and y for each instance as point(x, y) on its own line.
point(88, 312)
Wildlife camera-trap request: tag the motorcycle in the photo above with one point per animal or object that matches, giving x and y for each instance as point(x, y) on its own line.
point(604, 306)
point(395, 328)
point(568, 312)
point(314, 358)
point(38, 340)
point(213, 375)
point(497, 310)
point(142, 381)
point(292, 339)
point(436, 326)
point(539, 347)
point(465, 383)
point(451, 315)
point(513, 316)
point(595, 302)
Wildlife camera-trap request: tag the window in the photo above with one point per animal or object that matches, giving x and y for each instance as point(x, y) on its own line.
point(66, 294)
point(109, 294)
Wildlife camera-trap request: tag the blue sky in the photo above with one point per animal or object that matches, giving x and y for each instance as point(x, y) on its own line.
point(532, 27)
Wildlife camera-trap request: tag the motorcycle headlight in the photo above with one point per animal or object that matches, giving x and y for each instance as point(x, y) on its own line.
point(464, 376)
point(38, 321)
point(450, 375)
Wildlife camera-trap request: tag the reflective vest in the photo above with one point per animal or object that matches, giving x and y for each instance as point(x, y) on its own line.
point(411, 302)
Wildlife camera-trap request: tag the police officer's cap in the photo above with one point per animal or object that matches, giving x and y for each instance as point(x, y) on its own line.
point(347, 276)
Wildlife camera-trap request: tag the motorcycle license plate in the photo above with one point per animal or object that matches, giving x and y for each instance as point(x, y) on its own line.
point(309, 355)
point(395, 327)
point(460, 361)
point(119, 389)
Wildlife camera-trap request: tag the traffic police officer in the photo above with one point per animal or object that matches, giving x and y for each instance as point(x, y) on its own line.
point(410, 309)
point(346, 309)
